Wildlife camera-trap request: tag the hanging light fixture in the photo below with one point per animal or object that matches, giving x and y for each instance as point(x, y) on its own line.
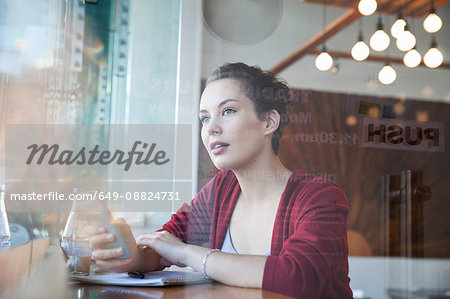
point(367, 7)
point(360, 50)
point(324, 61)
point(433, 58)
point(406, 40)
point(432, 22)
point(379, 40)
point(398, 26)
point(412, 58)
point(387, 74)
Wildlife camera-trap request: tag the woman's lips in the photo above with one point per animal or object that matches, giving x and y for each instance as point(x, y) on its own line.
point(218, 147)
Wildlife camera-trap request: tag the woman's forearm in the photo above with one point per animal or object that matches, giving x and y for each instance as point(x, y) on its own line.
point(227, 268)
point(232, 269)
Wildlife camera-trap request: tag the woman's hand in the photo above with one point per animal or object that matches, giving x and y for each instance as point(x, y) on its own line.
point(107, 258)
point(169, 247)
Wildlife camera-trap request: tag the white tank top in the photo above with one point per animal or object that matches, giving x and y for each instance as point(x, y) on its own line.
point(227, 245)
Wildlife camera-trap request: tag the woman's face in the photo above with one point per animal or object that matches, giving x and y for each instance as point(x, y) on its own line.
point(232, 133)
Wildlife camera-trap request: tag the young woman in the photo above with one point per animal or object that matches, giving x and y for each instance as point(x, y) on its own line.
point(264, 226)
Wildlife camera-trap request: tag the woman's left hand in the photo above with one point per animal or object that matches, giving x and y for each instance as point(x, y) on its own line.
point(169, 247)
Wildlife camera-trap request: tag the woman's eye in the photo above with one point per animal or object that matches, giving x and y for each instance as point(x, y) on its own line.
point(228, 111)
point(204, 119)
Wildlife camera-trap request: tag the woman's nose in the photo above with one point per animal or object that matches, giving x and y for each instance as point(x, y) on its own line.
point(214, 128)
point(213, 132)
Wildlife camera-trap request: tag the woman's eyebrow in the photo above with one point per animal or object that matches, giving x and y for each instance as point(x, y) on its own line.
point(224, 102)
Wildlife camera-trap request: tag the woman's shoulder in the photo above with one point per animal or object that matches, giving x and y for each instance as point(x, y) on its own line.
point(304, 187)
point(301, 180)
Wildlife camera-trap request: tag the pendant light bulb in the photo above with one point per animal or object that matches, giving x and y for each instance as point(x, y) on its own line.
point(432, 22)
point(406, 40)
point(367, 7)
point(360, 51)
point(412, 58)
point(379, 41)
point(398, 27)
point(433, 58)
point(324, 61)
point(387, 75)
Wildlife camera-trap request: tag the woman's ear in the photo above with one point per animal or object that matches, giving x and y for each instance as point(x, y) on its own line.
point(272, 121)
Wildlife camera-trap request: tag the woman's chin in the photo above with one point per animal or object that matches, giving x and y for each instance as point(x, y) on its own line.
point(221, 164)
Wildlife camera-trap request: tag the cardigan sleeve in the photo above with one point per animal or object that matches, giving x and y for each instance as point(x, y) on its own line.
point(313, 262)
point(191, 223)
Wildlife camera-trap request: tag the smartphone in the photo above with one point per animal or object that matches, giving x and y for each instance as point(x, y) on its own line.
point(103, 217)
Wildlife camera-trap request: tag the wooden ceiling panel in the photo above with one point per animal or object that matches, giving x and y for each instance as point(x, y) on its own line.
point(408, 8)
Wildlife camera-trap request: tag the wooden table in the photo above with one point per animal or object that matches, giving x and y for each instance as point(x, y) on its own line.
point(42, 274)
point(210, 290)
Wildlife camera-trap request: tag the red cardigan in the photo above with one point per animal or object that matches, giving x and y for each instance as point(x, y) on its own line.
point(309, 242)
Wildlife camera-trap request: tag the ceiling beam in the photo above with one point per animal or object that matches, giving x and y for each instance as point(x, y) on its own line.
point(335, 27)
point(378, 58)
